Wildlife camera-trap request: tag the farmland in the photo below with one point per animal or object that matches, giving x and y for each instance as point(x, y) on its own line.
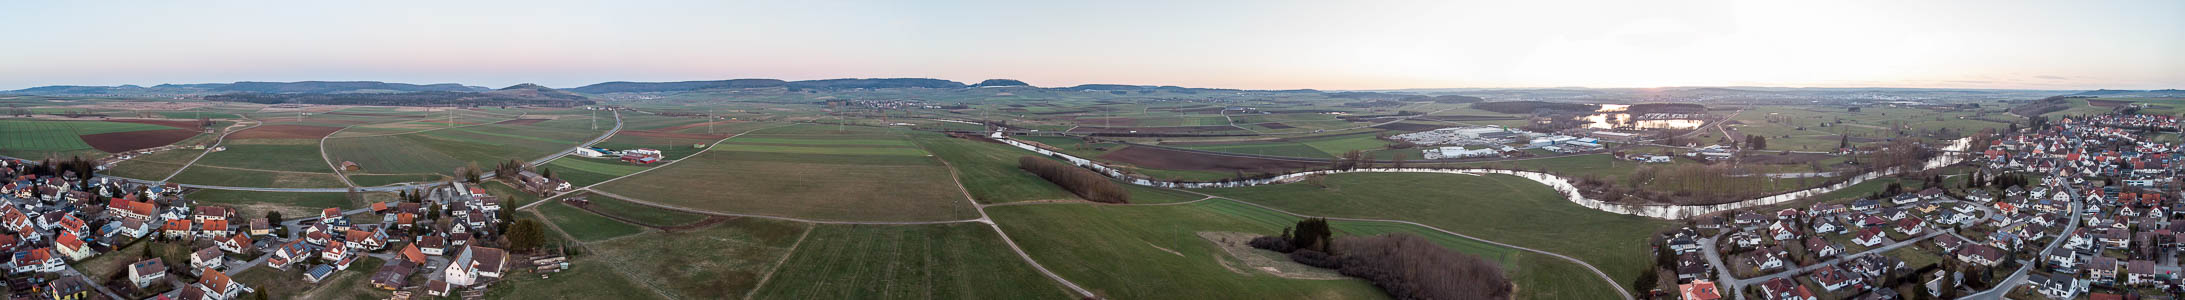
point(1154, 251)
point(1493, 207)
point(441, 151)
point(155, 165)
point(581, 171)
point(902, 184)
point(723, 261)
point(943, 261)
point(989, 170)
point(251, 204)
point(586, 226)
point(641, 214)
point(37, 139)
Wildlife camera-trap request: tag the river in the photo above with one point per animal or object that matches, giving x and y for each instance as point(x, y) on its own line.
point(1560, 184)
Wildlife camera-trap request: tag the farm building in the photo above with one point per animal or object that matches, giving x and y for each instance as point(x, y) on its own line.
point(1459, 152)
point(642, 156)
point(350, 166)
point(593, 152)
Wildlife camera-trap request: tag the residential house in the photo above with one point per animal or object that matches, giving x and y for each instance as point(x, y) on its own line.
point(1871, 237)
point(143, 273)
point(2102, 269)
point(1980, 254)
point(476, 262)
point(69, 288)
point(1699, 290)
point(2139, 272)
point(1782, 288)
point(1822, 248)
point(1832, 279)
point(208, 258)
point(38, 260)
point(218, 286)
point(177, 228)
point(72, 247)
point(235, 243)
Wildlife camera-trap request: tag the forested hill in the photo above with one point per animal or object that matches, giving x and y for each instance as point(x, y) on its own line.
point(522, 94)
point(300, 87)
point(825, 84)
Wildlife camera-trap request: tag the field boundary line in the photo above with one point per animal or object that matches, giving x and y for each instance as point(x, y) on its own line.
point(1596, 271)
point(588, 249)
point(975, 206)
point(729, 214)
point(215, 144)
point(808, 228)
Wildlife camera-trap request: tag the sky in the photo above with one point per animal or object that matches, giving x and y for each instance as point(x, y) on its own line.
point(1330, 45)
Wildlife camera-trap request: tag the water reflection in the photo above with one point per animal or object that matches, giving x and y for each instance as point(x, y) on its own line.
point(1646, 121)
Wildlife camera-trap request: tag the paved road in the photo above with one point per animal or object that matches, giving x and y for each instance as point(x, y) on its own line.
point(215, 144)
point(2019, 277)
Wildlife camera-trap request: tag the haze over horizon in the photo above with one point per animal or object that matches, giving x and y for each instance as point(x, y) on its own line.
point(1248, 45)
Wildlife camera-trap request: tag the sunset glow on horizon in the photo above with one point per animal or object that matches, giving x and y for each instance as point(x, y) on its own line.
point(1231, 44)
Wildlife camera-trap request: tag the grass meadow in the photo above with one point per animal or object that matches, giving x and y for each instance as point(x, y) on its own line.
point(1502, 208)
point(812, 182)
point(943, 261)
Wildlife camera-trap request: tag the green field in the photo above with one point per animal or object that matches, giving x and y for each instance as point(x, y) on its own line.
point(989, 170)
point(1137, 252)
point(1502, 208)
point(380, 180)
point(219, 176)
point(640, 213)
point(509, 195)
point(587, 278)
point(581, 171)
point(719, 262)
point(37, 139)
point(441, 151)
point(269, 157)
point(586, 226)
point(251, 204)
point(946, 261)
point(154, 166)
point(801, 184)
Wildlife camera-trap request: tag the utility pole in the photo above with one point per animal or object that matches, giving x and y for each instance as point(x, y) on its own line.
point(595, 119)
point(709, 121)
point(451, 117)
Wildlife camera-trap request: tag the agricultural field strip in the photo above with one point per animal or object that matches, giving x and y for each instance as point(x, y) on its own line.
point(778, 262)
point(254, 123)
point(716, 143)
point(952, 176)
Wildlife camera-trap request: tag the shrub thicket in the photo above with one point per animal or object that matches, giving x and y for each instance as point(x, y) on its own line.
point(1404, 265)
point(1080, 181)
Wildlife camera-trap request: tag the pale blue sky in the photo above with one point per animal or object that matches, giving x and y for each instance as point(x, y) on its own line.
point(1232, 44)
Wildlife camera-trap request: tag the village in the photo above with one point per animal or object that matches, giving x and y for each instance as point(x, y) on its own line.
point(445, 241)
point(2076, 208)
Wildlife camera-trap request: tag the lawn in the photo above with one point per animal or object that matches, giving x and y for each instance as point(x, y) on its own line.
point(801, 185)
point(719, 262)
point(944, 261)
point(989, 170)
point(1502, 208)
point(581, 171)
point(1136, 252)
point(275, 283)
point(640, 213)
point(584, 225)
